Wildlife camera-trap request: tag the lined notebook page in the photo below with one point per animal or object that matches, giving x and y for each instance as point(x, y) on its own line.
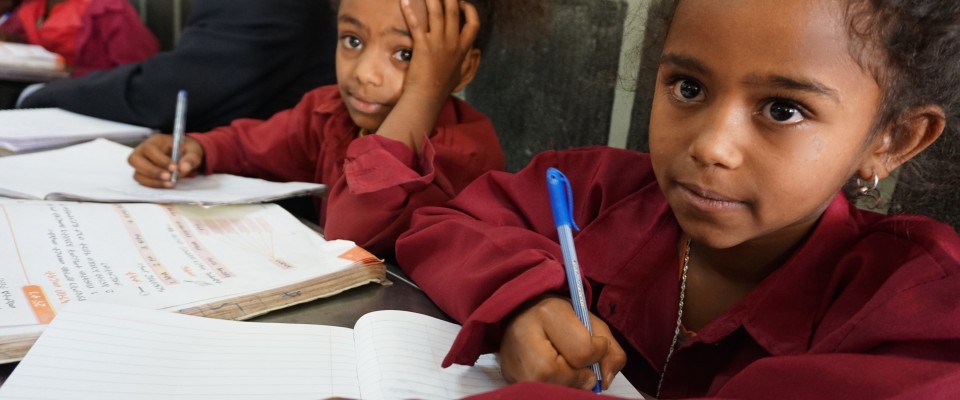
point(94, 351)
point(99, 351)
point(399, 354)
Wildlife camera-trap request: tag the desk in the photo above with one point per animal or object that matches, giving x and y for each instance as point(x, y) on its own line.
point(343, 309)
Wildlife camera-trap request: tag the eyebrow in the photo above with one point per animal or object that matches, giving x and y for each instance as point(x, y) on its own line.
point(351, 20)
point(777, 81)
point(685, 62)
point(803, 85)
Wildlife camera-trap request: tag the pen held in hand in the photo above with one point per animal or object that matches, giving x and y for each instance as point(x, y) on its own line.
point(561, 201)
point(179, 124)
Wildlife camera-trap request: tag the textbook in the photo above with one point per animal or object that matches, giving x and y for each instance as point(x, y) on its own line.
point(34, 129)
point(228, 262)
point(99, 351)
point(98, 171)
point(30, 62)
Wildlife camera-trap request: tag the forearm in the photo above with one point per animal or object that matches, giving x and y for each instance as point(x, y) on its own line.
point(413, 118)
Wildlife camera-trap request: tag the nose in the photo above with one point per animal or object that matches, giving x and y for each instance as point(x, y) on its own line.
point(368, 70)
point(718, 140)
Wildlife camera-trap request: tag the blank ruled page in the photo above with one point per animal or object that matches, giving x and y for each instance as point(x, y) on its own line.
point(112, 352)
point(399, 354)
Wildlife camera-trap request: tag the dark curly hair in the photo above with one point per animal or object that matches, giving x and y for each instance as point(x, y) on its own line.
point(518, 20)
point(912, 47)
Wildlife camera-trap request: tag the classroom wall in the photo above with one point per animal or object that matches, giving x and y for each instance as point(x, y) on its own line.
point(574, 86)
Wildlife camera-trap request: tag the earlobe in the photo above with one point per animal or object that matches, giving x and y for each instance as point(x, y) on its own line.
point(916, 129)
point(468, 69)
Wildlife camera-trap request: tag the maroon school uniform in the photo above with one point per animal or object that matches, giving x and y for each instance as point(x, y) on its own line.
point(373, 183)
point(90, 34)
point(867, 307)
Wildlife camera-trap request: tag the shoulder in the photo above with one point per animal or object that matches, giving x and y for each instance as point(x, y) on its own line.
point(902, 261)
point(911, 236)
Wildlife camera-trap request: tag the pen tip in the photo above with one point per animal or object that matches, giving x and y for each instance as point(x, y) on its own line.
point(598, 388)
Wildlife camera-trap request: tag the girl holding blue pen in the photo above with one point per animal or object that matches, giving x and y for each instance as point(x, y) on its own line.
point(728, 262)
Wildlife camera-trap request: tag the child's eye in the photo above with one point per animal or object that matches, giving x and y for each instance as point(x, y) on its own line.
point(403, 55)
point(686, 90)
point(351, 42)
point(783, 112)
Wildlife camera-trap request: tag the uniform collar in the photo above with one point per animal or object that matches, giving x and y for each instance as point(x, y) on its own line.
point(780, 314)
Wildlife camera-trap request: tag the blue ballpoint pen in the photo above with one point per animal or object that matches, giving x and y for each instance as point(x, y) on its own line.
point(179, 124)
point(561, 201)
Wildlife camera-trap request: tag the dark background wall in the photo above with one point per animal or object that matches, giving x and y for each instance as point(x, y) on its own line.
point(574, 66)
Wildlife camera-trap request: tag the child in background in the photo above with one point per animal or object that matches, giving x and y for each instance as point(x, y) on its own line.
point(89, 34)
point(388, 138)
point(727, 263)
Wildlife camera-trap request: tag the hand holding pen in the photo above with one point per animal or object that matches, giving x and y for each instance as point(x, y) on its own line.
point(546, 340)
point(161, 159)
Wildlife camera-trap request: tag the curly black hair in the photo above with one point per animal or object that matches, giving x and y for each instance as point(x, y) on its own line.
point(912, 48)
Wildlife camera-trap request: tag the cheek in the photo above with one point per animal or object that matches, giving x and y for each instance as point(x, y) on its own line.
point(343, 66)
point(812, 148)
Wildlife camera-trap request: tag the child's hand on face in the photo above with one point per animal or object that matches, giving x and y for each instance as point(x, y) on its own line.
point(546, 342)
point(152, 162)
point(439, 46)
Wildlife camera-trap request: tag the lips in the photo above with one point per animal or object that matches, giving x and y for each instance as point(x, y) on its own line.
point(707, 200)
point(364, 106)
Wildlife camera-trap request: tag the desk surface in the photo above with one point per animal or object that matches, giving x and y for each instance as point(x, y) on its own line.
point(342, 309)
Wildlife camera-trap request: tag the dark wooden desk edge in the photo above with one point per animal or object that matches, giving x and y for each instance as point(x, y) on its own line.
point(342, 309)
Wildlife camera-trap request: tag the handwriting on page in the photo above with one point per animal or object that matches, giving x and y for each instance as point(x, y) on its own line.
point(160, 256)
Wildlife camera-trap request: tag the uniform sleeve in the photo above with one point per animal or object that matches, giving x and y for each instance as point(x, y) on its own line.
point(495, 246)
point(384, 181)
point(282, 148)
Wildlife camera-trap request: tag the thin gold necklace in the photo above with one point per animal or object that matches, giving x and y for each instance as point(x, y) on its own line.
point(676, 330)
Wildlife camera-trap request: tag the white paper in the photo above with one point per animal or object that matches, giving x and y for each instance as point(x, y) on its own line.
point(98, 171)
point(27, 130)
point(97, 351)
point(29, 56)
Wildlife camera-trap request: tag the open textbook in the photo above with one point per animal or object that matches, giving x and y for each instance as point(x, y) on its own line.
point(106, 352)
point(98, 171)
point(229, 262)
point(28, 130)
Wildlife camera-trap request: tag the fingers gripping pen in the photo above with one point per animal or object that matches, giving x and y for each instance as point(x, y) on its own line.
point(561, 201)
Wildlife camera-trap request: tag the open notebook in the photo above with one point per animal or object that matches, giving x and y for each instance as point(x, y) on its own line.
point(228, 262)
point(97, 351)
point(98, 171)
point(28, 130)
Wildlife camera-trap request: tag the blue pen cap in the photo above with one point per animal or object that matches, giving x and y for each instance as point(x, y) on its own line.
point(561, 198)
